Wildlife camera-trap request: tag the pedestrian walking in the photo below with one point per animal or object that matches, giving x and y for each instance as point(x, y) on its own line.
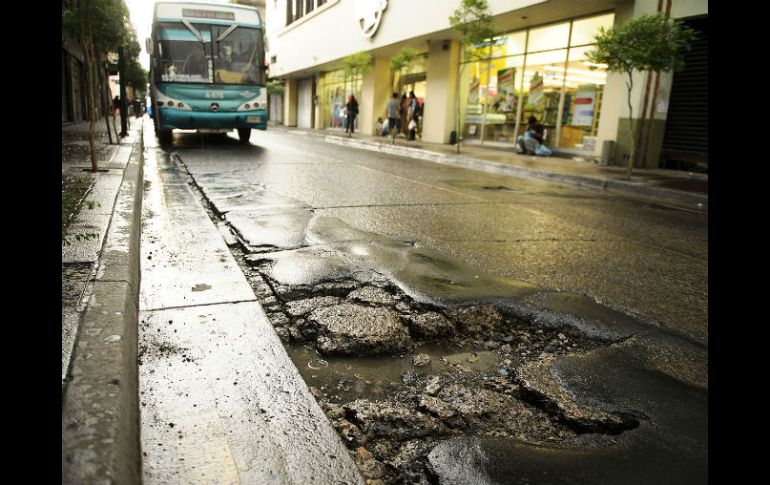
point(352, 109)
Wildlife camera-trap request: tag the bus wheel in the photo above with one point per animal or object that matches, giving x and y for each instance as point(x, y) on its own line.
point(244, 134)
point(164, 136)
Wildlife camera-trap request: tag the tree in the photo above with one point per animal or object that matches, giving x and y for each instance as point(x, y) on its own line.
point(275, 86)
point(136, 75)
point(401, 62)
point(357, 65)
point(102, 26)
point(646, 43)
point(474, 21)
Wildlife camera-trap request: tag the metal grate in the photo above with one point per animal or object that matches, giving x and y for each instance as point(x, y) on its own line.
point(685, 143)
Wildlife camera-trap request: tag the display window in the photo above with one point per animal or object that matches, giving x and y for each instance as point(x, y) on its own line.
point(543, 82)
point(584, 89)
point(334, 88)
point(540, 72)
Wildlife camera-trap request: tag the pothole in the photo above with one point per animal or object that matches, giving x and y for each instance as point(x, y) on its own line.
point(396, 376)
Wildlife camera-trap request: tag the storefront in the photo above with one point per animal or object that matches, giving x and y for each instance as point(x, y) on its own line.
point(334, 88)
point(536, 68)
point(540, 72)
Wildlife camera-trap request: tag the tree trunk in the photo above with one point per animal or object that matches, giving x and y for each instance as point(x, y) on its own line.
point(486, 95)
point(458, 99)
point(87, 41)
point(630, 86)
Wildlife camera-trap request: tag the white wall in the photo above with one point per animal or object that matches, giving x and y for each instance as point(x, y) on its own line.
point(331, 32)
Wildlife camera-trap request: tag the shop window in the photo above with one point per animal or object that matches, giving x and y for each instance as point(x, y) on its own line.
point(543, 80)
point(515, 43)
point(584, 87)
point(497, 85)
point(584, 31)
point(547, 38)
point(334, 88)
point(554, 84)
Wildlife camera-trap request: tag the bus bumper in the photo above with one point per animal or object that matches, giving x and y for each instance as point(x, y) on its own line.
point(190, 120)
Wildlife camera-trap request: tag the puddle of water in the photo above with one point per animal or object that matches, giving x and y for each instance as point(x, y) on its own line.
point(346, 379)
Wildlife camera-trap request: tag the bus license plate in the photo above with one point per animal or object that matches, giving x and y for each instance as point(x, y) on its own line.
point(253, 119)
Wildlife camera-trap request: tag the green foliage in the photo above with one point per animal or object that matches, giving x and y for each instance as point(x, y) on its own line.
point(276, 87)
point(73, 192)
point(358, 63)
point(474, 21)
point(404, 58)
point(107, 20)
point(110, 28)
point(136, 76)
point(646, 43)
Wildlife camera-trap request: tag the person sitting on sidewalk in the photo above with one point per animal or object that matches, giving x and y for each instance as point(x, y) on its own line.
point(531, 142)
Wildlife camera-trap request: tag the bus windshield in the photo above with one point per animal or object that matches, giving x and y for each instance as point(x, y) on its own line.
point(209, 54)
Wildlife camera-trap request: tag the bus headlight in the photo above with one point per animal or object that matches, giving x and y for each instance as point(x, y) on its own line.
point(256, 102)
point(163, 100)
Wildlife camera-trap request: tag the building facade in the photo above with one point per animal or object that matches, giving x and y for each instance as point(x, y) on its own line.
point(536, 66)
point(73, 72)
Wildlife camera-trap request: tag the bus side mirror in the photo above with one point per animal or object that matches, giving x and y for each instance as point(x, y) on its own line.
point(148, 45)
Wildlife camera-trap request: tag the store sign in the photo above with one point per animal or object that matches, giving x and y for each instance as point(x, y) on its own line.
point(585, 99)
point(369, 14)
point(535, 90)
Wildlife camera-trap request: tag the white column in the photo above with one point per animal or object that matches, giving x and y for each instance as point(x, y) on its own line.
point(290, 103)
point(441, 92)
point(375, 92)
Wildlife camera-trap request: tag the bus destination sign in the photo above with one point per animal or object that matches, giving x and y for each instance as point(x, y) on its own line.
point(207, 14)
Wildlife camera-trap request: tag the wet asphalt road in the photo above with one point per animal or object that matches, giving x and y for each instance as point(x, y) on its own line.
point(625, 252)
point(318, 213)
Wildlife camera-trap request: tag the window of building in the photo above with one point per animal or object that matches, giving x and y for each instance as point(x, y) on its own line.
point(540, 72)
point(584, 30)
point(299, 9)
point(296, 9)
point(547, 38)
point(334, 88)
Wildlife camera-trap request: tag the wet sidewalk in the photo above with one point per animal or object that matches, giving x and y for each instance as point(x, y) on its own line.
point(246, 415)
point(687, 189)
point(100, 284)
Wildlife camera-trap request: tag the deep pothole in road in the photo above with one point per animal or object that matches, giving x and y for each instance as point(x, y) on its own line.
point(396, 376)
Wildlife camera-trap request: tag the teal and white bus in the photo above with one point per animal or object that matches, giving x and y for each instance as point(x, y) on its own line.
point(207, 69)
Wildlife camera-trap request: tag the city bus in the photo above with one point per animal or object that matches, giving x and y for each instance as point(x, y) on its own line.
point(207, 69)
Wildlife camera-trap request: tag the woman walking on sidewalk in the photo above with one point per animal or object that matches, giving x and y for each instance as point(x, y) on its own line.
point(352, 108)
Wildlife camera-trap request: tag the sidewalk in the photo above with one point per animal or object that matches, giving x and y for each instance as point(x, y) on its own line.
point(678, 187)
point(100, 283)
point(247, 415)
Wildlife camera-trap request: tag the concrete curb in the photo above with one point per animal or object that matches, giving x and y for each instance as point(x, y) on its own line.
point(697, 200)
point(100, 408)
